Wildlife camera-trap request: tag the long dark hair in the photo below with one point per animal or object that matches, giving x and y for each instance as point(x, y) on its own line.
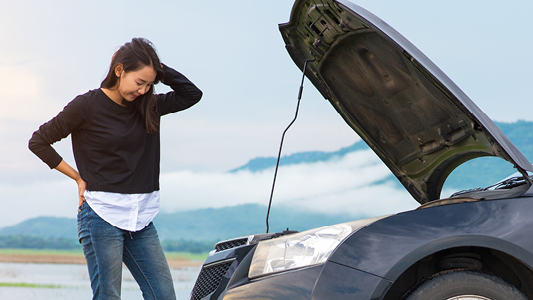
point(134, 56)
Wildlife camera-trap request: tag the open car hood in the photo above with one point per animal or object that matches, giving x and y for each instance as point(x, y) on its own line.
point(401, 104)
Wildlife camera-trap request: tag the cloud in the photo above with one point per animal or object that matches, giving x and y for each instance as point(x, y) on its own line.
point(21, 93)
point(354, 184)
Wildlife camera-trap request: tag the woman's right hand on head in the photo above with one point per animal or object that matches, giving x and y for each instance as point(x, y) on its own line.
point(82, 186)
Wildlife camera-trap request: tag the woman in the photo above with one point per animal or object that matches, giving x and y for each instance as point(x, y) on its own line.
point(115, 140)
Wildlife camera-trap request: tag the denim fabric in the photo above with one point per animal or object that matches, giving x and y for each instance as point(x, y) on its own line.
point(106, 247)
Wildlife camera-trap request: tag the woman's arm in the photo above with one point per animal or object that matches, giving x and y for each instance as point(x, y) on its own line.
point(184, 95)
point(70, 119)
point(67, 121)
point(66, 169)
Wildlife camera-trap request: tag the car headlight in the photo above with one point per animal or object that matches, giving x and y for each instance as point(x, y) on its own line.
point(302, 249)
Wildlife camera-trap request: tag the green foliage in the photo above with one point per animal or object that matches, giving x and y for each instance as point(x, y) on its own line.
point(36, 242)
point(11, 251)
point(26, 242)
point(181, 245)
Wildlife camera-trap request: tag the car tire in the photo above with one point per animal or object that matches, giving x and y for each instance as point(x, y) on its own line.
point(464, 285)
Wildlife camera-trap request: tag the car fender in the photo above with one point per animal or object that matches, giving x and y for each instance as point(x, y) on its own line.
point(389, 246)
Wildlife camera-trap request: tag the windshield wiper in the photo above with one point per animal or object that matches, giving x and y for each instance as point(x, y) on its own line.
point(502, 185)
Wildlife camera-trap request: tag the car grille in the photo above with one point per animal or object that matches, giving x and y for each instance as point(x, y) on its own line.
point(230, 244)
point(209, 279)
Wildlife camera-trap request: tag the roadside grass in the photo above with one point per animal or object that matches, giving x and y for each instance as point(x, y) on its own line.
point(169, 255)
point(29, 285)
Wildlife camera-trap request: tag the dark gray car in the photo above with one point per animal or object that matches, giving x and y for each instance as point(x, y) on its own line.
point(475, 245)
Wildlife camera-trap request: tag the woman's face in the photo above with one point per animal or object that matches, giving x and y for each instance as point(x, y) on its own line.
point(135, 83)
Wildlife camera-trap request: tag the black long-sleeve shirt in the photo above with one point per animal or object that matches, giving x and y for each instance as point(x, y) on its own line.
point(112, 148)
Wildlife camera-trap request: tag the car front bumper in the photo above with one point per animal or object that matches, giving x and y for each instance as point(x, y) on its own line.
point(326, 281)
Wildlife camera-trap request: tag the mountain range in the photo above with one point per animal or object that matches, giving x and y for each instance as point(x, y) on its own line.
point(188, 228)
point(490, 169)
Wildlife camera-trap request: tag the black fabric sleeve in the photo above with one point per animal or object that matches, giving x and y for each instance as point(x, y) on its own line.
point(67, 121)
point(184, 95)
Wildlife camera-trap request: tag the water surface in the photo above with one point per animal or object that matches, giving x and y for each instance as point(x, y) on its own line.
point(73, 282)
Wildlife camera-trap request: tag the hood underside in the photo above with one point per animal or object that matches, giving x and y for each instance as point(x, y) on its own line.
point(406, 109)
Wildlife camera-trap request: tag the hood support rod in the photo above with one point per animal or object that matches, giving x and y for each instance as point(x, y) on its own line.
point(283, 137)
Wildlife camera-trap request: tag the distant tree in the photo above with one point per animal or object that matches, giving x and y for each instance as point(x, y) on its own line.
point(32, 242)
point(187, 246)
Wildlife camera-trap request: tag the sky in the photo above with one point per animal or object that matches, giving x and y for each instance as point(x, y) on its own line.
point(52, 51)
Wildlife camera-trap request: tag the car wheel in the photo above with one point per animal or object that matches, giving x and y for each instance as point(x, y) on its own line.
point(465, 285)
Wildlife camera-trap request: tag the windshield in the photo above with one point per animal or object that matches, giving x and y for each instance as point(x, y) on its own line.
point(511, 182)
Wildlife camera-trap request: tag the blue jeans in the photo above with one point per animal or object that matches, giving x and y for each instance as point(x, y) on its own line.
point(106, 247)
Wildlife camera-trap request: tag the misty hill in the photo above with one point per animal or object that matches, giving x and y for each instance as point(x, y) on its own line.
point(262, 163)
point(478, 172)
point(211, 224)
